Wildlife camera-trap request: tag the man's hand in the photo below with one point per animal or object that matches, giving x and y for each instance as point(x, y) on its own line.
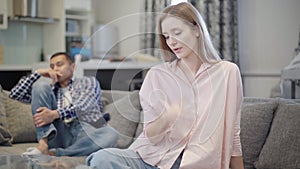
point(50, 73)
point(44, 116)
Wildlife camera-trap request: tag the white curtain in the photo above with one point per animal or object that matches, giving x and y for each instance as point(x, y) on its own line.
point(220, 17)
point(150, 43)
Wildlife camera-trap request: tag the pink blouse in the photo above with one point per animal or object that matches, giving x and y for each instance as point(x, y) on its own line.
point(208, 127)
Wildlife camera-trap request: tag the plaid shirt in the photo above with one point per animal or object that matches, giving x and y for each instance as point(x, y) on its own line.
point(85, 92)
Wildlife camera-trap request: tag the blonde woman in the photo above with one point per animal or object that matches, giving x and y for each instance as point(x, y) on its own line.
point(191, 104)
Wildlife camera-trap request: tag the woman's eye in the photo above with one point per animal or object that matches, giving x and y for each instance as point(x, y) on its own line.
point(166, 37)
point(177, 32)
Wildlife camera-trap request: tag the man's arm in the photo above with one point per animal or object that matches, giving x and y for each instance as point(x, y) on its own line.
point(44, 116)
point(22, 90)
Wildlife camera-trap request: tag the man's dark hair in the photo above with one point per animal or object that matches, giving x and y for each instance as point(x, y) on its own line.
point(68, 57)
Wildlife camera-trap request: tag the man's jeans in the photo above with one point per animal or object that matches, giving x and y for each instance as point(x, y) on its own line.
point(69, 139)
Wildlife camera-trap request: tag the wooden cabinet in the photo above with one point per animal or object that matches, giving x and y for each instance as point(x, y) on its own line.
point(54, 35)
point(79, 19)
point(3, 14)
point(80, 16)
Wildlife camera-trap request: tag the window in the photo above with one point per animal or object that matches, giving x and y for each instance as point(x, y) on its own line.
point(174, 2)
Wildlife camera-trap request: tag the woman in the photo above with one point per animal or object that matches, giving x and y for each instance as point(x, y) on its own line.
point(191, 104)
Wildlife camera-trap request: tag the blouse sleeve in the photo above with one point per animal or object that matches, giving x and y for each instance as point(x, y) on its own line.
point(237, 148)
point(152, 100)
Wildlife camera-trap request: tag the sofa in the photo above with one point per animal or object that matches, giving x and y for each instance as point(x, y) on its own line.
point(17, 131)
point(270, 128)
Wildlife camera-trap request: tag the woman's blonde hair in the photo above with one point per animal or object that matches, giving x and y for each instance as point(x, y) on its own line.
point(188, 13)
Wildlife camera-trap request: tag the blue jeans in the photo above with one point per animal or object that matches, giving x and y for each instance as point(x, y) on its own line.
point(113, 158)
point(69, 139)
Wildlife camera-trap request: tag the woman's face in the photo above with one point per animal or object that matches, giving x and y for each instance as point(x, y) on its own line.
point(181, 37)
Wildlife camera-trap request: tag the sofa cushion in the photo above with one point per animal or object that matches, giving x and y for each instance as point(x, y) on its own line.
point(19, 119)
point(16, 149)
point(2, 110)
point(140, 126)
point(256, 119)
point(125, 116)
point(284, 137)
point(5, 136)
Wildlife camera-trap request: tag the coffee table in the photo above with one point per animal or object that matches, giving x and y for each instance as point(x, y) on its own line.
point(40, 162)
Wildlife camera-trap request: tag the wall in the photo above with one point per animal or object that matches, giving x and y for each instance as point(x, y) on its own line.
point(22, 43)
point(126, 16)
point(268, 36)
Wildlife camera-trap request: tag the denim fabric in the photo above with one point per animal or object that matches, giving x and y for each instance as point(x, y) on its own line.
point(69, 139)
point(113, 158)
point(89, 141)
point(43, 96)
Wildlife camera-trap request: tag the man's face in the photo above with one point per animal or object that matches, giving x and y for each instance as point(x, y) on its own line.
point(61, 65)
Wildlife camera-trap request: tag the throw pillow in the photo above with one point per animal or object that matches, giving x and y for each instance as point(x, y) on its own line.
point(259, 100)
point(282, 147)
point(19, 120)
point(104, 101)
point(5, 137)
point(125, 116)
point(2, 111)
point(256, 119)
point(140, 126)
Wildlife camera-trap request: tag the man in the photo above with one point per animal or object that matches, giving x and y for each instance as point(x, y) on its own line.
point(66, 111)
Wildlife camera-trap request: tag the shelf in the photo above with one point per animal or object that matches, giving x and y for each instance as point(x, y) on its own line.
point(77, 5)
point(77, 17)
point(72, 34)
point(35, 19)
point(77, 10)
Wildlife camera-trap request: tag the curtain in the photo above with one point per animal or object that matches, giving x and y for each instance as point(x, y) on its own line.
point(221, 19)
point(150, 42)
point(219, 15)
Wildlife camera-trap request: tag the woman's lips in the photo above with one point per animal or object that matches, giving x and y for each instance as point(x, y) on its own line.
point(177, 50)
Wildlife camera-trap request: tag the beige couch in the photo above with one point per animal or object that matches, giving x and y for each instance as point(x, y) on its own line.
point(17, 131)
point(270, 128)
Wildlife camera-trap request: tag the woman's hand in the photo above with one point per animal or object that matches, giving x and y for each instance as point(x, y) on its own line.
point(236, 162)
point(157, 129)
